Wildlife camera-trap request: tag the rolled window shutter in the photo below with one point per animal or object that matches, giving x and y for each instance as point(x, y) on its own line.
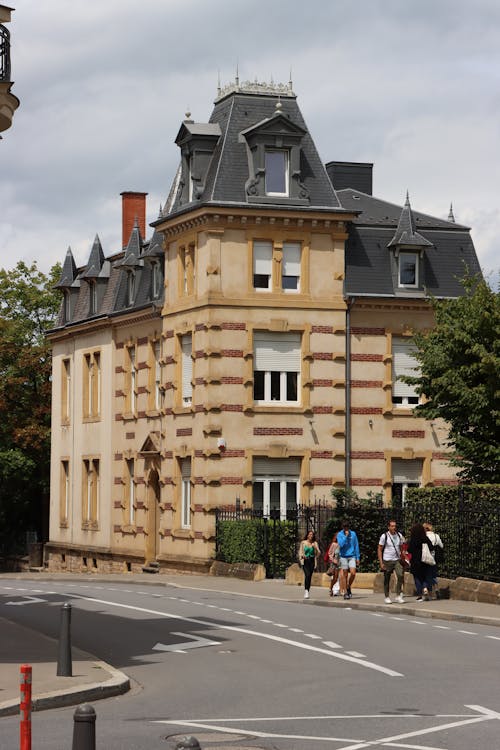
point(406, 471)
point(403, 363)
point(262, 258)
point(186, 468)
point(291, 258)
point(276, 467)
point(277, 352)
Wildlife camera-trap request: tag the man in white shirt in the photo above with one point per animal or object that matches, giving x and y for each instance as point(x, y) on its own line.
point(389, 557)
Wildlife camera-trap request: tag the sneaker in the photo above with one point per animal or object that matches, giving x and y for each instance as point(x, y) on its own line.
point(346, 595)
point(349, 592)
point(426, 595)
point(331, 592)
point(336, 593)
point(400, 599)
point(306, 594)
point(419, 599)
point(388, 600)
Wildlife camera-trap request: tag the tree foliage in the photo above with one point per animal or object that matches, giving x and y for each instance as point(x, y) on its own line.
point(28, 307)
point(459, 376)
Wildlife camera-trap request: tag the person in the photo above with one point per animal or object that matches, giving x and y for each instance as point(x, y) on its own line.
point(349, 558)
point(333, 561)
point(422, 572)
point(436, 542)
point(389, 557)
point(308, 555)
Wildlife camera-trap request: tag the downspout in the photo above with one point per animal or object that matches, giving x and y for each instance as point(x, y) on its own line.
point(349, 302)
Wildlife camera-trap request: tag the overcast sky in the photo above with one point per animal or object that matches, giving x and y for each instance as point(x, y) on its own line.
point(411, 85)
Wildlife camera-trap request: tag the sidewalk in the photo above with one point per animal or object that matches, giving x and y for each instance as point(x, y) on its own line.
point(93, 679)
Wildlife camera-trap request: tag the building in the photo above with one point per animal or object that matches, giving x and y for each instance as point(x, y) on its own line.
point(8, 102)
point(248, 351)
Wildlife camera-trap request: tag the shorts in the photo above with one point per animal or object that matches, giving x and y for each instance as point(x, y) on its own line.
point(347, 563)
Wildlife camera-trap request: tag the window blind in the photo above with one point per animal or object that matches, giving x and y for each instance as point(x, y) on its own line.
point(403, 363)
point(187, 366)
point(277, 352)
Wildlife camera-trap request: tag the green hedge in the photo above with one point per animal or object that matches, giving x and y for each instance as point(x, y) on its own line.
point(257, 540)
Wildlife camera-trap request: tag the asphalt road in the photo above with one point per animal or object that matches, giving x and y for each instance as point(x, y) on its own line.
point(241, 672)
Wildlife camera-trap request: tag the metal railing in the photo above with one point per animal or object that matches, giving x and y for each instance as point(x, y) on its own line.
point(4, 54)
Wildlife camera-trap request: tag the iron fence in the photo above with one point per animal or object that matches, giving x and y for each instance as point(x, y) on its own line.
point(4, 54)
point(470, 534)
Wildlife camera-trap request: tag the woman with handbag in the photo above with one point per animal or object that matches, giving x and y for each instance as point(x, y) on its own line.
point(422, 561)
point(333, 565)
point(308, 554)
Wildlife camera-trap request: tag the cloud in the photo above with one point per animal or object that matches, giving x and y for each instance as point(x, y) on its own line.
point(413, 87)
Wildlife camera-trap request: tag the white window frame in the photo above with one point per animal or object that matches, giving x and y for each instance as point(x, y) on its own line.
point(155, 272)
point(65, 486)
point(286, 154)
point(187, 369)
point(265, 340)
point(262, 263)
point(281, 475)
point(186, 493)
point(291, 264)
point(93, 297)
point(133, 378)
point(405, 256)
point(403, 394)
point(157, 365)
point(130, 287)
point(404, 472)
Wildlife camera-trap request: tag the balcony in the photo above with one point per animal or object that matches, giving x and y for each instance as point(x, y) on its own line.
point(8, 102)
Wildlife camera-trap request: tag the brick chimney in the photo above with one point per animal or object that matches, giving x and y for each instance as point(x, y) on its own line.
point(133, 207)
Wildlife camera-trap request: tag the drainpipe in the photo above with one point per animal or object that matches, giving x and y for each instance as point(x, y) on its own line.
point(349, 301)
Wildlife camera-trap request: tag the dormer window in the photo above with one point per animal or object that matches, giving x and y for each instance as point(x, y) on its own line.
point(408, 270)
point(276, 165)
point(67, 306)
point(93, 298)
point(130, 287)
point(156, 281)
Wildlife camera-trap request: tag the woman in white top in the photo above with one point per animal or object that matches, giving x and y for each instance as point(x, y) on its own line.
point(435, 540)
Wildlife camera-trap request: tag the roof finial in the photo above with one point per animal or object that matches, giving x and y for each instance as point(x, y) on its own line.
point(237, 80)
point(218, 83)
point(187, 115)
point(407, 202)
point(451, 216)
point(290, 84)
point(279, 105)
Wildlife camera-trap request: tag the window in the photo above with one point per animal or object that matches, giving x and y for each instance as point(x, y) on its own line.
point(130, 287)
point(262, 264)
point(130, 492)
point(403, 363)
point(64, 494)
point(156, 280)
point(408, 269)
point(186, 493)
point(67, 306)
point(276, 165)
point(187, 369)
point(131, 385)
point(290, 279)
point(276, 367)
point(92, 385)
point(66, 391)
point(157, 367)
point(92, 297)
point(275, 489)
point(405, 473)
point(90, 492)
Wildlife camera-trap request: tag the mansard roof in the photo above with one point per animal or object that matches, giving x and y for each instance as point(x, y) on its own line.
point(132, 256)
point(238, 112)
point(448, 250)
point(95, 261)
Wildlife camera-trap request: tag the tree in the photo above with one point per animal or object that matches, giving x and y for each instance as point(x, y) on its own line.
point(459, 377)
point(28, 307)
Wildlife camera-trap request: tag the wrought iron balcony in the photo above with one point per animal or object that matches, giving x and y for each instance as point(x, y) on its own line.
point(4, 54)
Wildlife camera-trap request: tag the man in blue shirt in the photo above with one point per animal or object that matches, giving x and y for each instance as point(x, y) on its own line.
point(349, 558)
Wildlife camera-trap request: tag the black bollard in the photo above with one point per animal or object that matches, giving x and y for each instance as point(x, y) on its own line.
point(84, 728)
point(64, 665)
point(186, 743)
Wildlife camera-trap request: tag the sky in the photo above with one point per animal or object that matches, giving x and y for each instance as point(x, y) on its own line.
point(412, 86)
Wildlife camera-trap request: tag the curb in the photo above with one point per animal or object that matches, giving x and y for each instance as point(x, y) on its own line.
point(401, 609)
point(117, 684)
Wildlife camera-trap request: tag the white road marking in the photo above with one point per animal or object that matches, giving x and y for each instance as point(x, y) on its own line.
point(398, 618)
point(375, 614)
point(332, 644)
point(293, 630)
point(494, 637)
point(486, 711)
point(237, 612)
point(410, 747)
point(418, 622)
point(268, 622)
point(254, 617)
point(441, 627)
point(466, 632)
point(280, 625)
point(314, 637)
point(356, 653)
point(234, 629)
point(195, 642)
point(253, 732)
point(28, 600)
